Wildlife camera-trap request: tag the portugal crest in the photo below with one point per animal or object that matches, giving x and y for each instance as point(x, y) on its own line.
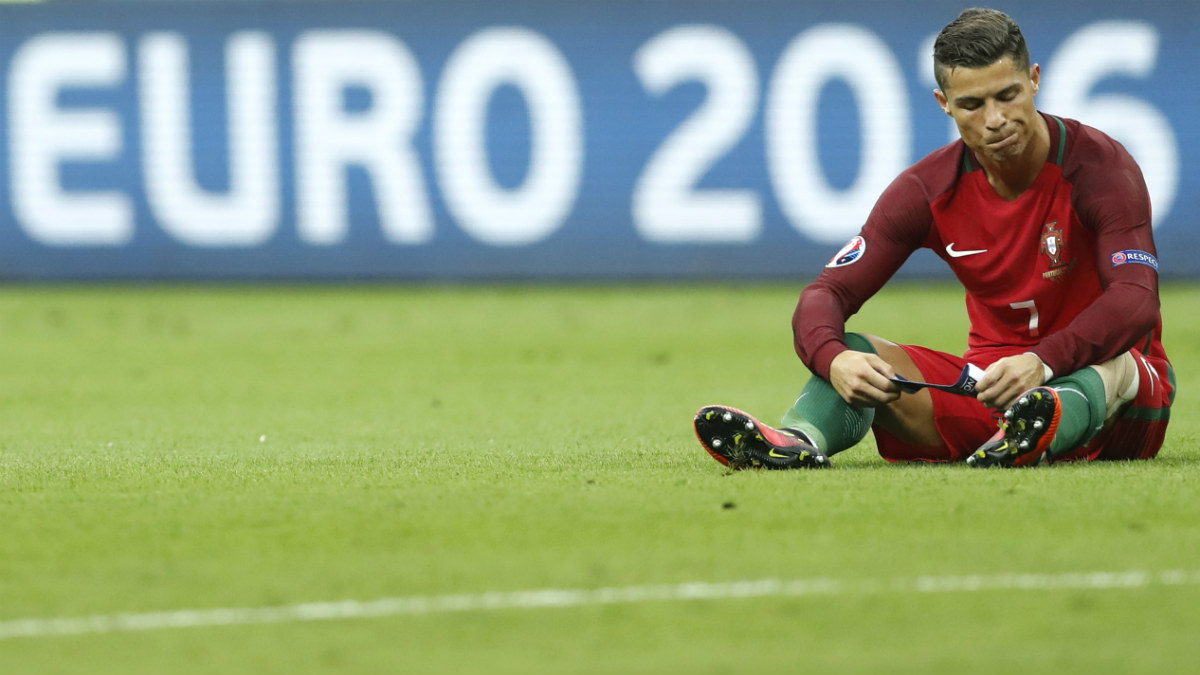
point(1054, 247)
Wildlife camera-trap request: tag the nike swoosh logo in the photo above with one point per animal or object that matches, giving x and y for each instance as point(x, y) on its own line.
point(959, 254)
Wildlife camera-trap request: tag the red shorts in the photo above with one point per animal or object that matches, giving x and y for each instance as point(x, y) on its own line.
point(964, 424)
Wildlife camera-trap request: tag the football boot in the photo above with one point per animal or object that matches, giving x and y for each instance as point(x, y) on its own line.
point(1026, 431)
point(739, 441)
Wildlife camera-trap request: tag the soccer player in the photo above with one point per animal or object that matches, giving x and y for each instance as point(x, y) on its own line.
point(1046, 223)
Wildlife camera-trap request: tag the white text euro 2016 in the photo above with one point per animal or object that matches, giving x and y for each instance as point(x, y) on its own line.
point(107, 132)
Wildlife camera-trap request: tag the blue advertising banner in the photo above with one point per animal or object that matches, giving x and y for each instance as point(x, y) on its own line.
point(592, 139)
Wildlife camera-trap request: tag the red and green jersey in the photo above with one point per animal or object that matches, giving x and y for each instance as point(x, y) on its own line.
point(1068, 270)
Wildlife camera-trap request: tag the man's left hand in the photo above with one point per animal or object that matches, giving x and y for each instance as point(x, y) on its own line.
point(1005, 380)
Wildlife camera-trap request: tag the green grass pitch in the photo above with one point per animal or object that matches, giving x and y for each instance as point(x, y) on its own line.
point(168, 451)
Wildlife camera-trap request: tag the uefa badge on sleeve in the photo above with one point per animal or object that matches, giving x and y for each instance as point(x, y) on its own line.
point(1135, 256)
point(850, 253)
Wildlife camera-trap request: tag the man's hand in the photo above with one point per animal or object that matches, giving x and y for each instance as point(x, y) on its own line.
point(1005, 380)
point(862, 379)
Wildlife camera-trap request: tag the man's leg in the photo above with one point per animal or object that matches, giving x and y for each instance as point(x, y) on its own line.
point(1121, 382)
point(1091, 399)
point(1139, 428)
point(832, 425)
point(1062, 415)
point(820, 423)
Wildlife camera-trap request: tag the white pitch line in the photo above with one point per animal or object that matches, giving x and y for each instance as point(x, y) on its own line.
point(567, 598)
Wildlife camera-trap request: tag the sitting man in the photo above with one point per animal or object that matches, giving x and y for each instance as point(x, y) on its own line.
point(1046, 222)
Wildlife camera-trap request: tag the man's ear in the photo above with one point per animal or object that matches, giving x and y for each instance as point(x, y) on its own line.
point(942, 101)
point(1035, 74)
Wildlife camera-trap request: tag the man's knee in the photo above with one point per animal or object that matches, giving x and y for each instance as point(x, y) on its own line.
point(862, 342)
point(887, 350)
point(909, 418)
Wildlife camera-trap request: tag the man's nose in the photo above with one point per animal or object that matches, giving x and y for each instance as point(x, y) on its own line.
point(994, 116)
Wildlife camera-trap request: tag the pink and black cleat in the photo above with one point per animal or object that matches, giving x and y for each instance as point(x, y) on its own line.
point(739, 441)
point(1028, 428)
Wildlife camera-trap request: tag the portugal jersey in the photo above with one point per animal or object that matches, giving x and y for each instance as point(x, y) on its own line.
point(1067, 270)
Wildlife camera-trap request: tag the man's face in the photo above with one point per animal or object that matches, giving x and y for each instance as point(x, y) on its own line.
point(993, 107)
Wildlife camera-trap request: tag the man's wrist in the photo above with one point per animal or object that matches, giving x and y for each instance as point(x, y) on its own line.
point(1047, 371)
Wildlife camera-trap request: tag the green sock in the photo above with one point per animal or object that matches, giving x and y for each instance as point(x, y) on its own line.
point(1081, 397)
point(821, 414)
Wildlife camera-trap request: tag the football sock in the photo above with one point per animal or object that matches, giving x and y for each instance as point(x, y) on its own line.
point(1081, 397)
point(831, 424)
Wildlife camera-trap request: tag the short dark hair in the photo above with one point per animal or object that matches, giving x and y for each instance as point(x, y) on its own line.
point(978, 38)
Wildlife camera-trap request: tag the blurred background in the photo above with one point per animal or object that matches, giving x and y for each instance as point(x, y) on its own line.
point(475, 140)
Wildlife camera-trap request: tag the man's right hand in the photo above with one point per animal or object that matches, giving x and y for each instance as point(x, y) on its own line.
point(863, 379)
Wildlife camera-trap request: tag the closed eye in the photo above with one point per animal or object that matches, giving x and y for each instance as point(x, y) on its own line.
point(974, 102)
